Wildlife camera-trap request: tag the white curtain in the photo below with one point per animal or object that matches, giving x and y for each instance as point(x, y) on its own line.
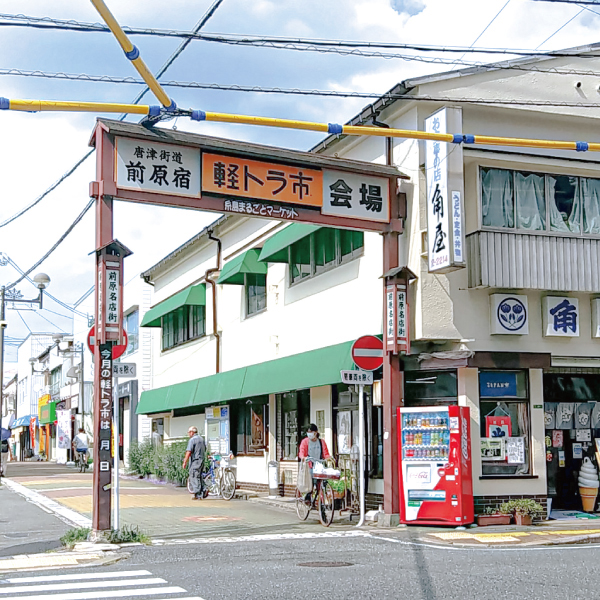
point(531, 201)
point(497, 198)
point(589, 192)
point(561, 221)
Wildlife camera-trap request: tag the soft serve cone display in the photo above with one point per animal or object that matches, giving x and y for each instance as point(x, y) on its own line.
point(588, 485)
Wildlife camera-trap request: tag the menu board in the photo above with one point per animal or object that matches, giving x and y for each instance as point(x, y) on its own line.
point(515, 450)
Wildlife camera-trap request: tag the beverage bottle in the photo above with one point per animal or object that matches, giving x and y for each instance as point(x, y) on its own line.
point(419, 421)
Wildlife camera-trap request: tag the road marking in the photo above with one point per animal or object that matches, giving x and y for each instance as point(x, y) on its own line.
point(62, 512)
point(102, 594)
point(267, 537)
point(76, 576)
point(53, 587)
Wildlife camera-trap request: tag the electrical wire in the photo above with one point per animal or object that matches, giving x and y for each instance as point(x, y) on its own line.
point(22, 319)
point(60, 241)
point(578, 2)
point(39, 314)
point(50, 189)
point(269, 41)
point(560, 28)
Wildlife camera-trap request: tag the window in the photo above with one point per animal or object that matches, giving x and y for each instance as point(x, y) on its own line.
point(505, 423)
point(323, 250)
point(252, 425)
point(540, 202)
point(55, 381)
point(182, 325)
point(255, 287)
point(131, 324)
point(293, 419)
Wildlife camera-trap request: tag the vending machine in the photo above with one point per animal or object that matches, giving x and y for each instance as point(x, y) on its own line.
point(435, 465)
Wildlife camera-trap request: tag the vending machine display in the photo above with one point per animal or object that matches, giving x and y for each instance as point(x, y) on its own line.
point(435, 465)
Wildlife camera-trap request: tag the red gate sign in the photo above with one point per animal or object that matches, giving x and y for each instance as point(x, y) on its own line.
point(117, 350)
point(367, 353)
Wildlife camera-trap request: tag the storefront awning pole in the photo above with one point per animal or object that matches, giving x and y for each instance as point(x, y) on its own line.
point(361, 450)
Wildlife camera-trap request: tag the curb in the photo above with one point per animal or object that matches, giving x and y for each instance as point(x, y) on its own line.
point(62, 560)
point(68, 516)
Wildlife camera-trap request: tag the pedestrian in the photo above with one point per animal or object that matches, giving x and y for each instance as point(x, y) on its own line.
point(6, 456)
point(195, 454)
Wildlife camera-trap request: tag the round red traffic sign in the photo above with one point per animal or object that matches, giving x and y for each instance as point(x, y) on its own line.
point(367, 353)
point(117, 350)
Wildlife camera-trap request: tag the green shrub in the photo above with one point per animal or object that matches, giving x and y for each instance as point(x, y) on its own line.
point(73, 536)
point(163, 461)
point(127, 535)
point(522, 506)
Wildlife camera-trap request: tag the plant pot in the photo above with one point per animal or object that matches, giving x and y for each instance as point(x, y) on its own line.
point(485, 520)
point(523, 519)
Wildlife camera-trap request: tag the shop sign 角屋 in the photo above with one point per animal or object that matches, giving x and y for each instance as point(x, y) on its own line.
point(560, 316)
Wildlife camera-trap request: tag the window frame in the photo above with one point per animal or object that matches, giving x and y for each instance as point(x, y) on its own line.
point(339, 259)
point(180, 326)
point(133, 340)
point(247, 285)
point(517, 230)
point(516, 400)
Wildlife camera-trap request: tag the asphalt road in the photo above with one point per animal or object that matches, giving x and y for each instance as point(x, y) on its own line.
point(377, 567)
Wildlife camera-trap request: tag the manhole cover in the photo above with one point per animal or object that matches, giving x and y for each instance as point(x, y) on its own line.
point(325, 564)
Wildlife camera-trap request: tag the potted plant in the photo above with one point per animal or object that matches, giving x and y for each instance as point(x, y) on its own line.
point(493, 516)
point(524, 510)
point(339, 488)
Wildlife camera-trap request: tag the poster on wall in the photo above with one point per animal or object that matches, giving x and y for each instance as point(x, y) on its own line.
point(515, 450)
point(583, 415)
point(498, 426)
point(564, 415)
point(577, 451)
point(63, 428)
point(492, 449)
point(344, 423)
point(558, 438)
point(583, 435)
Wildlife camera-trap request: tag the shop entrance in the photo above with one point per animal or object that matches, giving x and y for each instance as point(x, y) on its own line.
point(572, 434)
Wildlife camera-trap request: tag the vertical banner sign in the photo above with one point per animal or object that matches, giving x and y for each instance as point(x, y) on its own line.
point(390, 324)
point(112, 297)
point(445, 191)
point(63, 428)
point(402, 320)
point(104, 436)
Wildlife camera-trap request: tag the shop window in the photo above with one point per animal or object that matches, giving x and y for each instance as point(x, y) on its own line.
point(131, 324)
point(540, 202)
point(505, 424)
point(322, 251)
point(251, 418)
point(182, 325)
point(55, 381)
point(293, 419)
point(255, 287)
point(430, 388)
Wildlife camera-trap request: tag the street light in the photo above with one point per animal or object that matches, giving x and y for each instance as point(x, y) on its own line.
point(42, 281)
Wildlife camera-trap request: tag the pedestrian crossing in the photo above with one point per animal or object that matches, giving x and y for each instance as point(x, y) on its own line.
point(92, 585)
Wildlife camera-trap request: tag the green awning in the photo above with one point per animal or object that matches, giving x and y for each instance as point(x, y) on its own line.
point(296, 372)
point(276, 247)
point(234, 270)
point(195, 295)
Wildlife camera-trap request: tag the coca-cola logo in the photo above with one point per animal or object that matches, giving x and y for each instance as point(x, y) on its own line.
point(464, 441)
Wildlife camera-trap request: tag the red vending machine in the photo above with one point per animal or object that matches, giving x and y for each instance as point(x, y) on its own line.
point(435, 466)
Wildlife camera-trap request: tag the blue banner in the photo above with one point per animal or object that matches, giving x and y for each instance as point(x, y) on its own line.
point(497, 384)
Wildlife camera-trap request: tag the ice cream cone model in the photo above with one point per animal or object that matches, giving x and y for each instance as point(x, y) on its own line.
point(588, 485)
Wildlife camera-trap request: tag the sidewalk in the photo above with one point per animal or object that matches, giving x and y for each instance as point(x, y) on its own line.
point(164, 511)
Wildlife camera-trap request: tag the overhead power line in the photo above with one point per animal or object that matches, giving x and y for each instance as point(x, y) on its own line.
point(578, 2)
point(263, 41)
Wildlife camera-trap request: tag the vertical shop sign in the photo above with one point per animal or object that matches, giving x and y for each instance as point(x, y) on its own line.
point(63, 428)
point(444, 165)
point(104, 435)
point(396, 318)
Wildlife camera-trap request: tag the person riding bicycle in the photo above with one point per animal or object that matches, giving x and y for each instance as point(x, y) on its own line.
point(81, 443)
point(312, 446)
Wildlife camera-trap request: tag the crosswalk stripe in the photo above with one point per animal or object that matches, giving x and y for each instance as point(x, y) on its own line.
point(53, 587)
point(76, 577)
point(104, 594)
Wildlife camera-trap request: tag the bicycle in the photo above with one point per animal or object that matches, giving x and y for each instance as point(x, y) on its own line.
point(321, 497)
point(81, 460)
point(218, 479)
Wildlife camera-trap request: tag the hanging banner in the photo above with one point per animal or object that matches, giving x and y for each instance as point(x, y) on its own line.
point(498, 427)
point(63, 428)
point(445, 192)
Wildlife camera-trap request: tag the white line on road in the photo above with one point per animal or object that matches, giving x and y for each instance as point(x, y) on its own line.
point(76, 577)
point(267, 537)
point(62, 512)
point(79, 585)
point(104, 594)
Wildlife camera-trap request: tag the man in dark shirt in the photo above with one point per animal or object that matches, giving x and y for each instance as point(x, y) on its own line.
point(195, 453)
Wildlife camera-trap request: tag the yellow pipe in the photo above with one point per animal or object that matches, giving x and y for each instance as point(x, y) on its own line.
point(48, 105)
point(127, 46)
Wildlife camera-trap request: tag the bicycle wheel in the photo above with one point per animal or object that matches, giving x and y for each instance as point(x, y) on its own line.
point(326, 504)
point(302, 507)
point(227, 484)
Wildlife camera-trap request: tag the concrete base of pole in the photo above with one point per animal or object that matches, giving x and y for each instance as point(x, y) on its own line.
point(99, 537)
point(388, 520)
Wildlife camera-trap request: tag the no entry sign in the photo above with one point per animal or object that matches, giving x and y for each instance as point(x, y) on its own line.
point(367, 353)
point(117, 350)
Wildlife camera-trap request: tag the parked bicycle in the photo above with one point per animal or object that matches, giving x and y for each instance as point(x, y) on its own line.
point(218, 478)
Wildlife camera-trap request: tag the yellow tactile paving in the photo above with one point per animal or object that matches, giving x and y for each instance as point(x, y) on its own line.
point(478, 536)
point(84, 503)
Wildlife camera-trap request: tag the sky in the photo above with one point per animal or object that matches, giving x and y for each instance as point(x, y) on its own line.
point(36, 149)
